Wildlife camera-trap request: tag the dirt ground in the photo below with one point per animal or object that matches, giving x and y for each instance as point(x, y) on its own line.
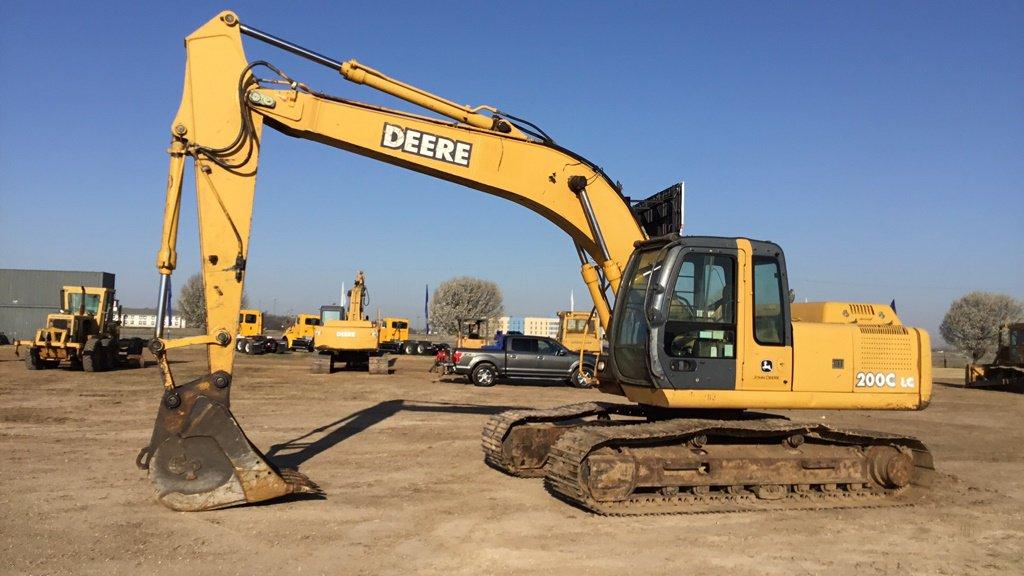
point(407, 491)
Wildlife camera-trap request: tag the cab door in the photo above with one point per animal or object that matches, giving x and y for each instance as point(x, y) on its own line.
point(764, 319)
point(694, 321)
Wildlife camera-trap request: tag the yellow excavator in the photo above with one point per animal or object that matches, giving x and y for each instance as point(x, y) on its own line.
point(702, 336)
point(354, 340)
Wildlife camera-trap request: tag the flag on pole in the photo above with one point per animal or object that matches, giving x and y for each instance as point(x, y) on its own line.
point(893, 305)
point(426, 306)
point(342, 301)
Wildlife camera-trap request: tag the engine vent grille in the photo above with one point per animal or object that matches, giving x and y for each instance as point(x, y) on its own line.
point(885, 349)
point(862, 309)
point(872, 329)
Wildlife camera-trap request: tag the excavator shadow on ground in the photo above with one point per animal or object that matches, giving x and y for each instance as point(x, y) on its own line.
point(295, 452)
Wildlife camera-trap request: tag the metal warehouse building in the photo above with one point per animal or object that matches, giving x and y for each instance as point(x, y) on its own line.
point(27, 296)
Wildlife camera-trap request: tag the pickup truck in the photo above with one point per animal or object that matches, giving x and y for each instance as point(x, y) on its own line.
point(522, 357)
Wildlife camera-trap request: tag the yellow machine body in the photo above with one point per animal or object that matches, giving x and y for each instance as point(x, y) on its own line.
point(347, 335)
point(842, 356)
point(579, 331)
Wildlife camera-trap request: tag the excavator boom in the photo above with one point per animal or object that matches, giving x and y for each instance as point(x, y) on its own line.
point(224, 108)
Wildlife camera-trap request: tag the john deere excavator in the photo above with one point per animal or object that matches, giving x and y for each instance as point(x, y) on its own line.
point(702, 331)
point(354, 340)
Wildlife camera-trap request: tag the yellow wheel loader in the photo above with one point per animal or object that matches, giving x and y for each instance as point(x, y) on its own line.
point(702, 338)
point(85, 334)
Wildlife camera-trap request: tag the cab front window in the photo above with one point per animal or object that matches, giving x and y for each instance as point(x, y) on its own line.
point(92, 303)
point(631, 331)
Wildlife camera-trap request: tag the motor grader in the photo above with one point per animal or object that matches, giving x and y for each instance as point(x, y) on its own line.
point(85, 333)
point(702, 336)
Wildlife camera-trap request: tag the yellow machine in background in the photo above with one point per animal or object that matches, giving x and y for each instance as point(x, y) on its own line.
point(393, 329)
point(702, 329)
point(579, 332)
point(251, 339)
point(85, 333)
point(355, 340)
point(250, 322)
point(300, 335)
point(1007, 368)
point(473, 333)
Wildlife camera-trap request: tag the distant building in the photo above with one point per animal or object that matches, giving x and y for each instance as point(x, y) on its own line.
point(146, 318)
point(27, 296)
point(529, 325)
point(534, 326)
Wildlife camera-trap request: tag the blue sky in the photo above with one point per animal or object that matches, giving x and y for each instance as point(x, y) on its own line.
point(880, 144)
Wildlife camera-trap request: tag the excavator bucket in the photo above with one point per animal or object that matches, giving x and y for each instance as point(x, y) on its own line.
point(199, 458)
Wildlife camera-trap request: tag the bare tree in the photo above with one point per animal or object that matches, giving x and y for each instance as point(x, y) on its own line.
point(464, 298)
point(972, 322)
point(192, 302)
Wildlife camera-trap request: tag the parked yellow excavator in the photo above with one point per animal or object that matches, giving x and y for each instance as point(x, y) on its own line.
point(702, 333)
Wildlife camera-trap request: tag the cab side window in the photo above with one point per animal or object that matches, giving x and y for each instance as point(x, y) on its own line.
point(769, 324)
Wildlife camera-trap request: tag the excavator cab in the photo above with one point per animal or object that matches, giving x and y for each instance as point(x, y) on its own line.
point(681, 320)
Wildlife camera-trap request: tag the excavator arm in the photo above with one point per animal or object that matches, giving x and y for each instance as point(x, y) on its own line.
point(198, 457)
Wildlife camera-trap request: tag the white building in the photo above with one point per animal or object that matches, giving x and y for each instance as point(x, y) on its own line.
point(146, 318)
point(538, 326)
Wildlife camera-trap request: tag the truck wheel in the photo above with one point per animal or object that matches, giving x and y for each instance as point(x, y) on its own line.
point(32, 361)
point(239, 345)
point(421, 348)
point(485, 374)
point(408, 348)
point(249, 348)
point(580, 379)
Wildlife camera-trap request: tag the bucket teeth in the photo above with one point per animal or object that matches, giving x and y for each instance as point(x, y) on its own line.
point(299, 483)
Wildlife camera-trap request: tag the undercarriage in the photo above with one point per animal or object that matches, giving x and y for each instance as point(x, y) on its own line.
point(619, 459)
